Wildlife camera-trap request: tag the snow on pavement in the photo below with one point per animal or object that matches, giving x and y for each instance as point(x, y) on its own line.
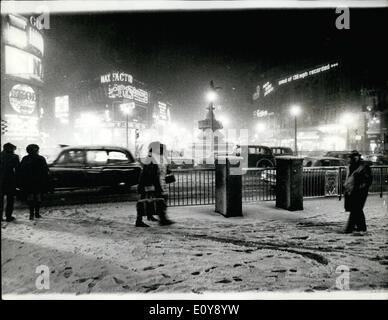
point(95, 248)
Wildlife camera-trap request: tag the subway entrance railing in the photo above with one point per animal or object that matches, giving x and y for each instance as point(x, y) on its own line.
point(197, 186)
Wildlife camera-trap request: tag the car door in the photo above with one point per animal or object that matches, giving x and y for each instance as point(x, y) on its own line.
point(96, 160)
point(121, 168)
point(68, 170)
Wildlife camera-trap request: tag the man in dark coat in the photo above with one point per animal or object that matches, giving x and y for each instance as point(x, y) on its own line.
point(358, 181)
point(33, 179)
point(9, 162)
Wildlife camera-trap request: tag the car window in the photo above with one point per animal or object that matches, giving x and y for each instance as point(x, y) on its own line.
point(71, 158)
point(325, 163)
point(97, 157)
point(252, 150)
point(115, 156)
point(335, 163)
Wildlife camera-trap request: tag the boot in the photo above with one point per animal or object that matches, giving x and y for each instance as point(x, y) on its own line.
point(37, 209)
point(152, 218)
point(31, 207)
point(165, 222)
point(140, 223)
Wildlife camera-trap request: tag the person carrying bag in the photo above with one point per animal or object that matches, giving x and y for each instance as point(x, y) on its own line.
point(152, 187)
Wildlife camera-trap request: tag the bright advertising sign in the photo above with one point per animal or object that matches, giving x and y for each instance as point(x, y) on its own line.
point(22, 115)
point(22, 99)
point(62, 108)
point(120, 91)
point(120, 86)
point(308, 73)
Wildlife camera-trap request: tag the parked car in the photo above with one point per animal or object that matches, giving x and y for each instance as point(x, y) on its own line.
point(94, 166)
point(282, 151)
point(258, 156)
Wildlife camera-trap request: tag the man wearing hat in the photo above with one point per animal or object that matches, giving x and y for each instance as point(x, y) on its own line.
point(358, 181)
point(9, 162)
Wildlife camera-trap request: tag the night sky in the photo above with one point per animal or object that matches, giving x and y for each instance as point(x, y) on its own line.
point(180, 52)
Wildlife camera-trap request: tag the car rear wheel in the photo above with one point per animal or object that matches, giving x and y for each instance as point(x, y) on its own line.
point(264, 164)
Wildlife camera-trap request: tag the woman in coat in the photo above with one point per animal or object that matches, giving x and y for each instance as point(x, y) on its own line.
point(152, 182)
point(33, 177)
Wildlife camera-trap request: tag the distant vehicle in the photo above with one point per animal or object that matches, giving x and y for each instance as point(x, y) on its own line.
point(323, 162)
point(282, 151)
point(338, 154)
point(178, 160)
point(94, 166)
point(270, 177)
point(376, 158)
point(258, 156)
point(345, 156)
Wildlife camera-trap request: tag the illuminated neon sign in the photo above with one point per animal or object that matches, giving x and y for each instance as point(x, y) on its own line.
point(116, 77)
point(308, 73)
point(116, 91)
point(22, 99)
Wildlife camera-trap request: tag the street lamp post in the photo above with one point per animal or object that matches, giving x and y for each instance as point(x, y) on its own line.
point(127, 129)
point(127, 108)
point(347, 120)
point(295, 111)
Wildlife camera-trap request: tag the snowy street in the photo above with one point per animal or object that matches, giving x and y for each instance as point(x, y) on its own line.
point(96, 248)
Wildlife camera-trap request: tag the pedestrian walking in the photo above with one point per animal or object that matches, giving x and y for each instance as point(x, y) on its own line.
point(9, 163)
point(152, 185)
point(358, 181)
point(33, 175)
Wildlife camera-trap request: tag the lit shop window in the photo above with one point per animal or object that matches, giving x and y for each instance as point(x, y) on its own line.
point(22, 64)
point(16, 36)
point(18, 22)
point(35, 39)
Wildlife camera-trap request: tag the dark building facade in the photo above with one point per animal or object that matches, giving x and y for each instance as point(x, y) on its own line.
point(22, 51)
point(338, 109)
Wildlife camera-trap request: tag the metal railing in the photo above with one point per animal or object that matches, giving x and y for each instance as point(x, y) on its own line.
point(192, 187)
point(197, 186)
point(258, 184)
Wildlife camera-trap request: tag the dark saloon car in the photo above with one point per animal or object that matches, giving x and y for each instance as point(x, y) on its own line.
point(282, 151)
point(92, 166)
point(258, 156)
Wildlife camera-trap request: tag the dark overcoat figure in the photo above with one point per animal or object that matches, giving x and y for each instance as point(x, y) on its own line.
point(9, 163)
point(358, 181)
point(33, 179)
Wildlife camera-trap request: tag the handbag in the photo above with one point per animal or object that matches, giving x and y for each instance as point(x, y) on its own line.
point(170, 178)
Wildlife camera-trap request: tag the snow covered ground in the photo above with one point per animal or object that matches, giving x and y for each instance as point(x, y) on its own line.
point(95, 248)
